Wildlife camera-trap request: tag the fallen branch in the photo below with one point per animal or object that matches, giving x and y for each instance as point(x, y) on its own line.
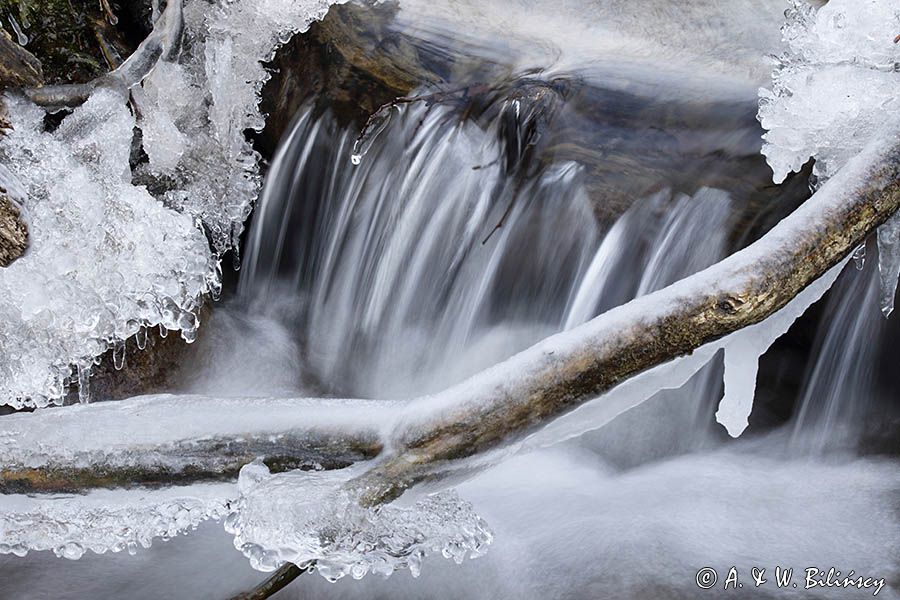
point(493, 408)
point(163, 43)
point(511, 400)
point(168, 440)
point(515, 398)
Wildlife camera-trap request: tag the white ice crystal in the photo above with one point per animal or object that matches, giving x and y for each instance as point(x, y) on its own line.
point(114, 251)
point(106, 520)
point(194, 113)
point(835, 87)
point(309, 517)
point(105, 257)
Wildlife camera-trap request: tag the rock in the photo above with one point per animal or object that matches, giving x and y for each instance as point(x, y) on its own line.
point(18, 67)
point(150, 370)
point(13, 233)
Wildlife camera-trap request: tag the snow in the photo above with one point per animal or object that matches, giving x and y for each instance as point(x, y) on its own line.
point(308, 517)
point(835, 85)
point(115, 250)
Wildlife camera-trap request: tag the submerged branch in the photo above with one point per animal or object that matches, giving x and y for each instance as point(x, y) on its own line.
point(163, 43)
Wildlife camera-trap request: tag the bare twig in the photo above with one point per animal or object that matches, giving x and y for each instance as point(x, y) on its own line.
point(275, 583)
point(163, 43)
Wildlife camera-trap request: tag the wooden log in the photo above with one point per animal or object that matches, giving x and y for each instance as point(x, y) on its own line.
point(170, 440)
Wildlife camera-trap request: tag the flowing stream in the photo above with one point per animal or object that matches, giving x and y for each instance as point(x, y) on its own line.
point(442, 253)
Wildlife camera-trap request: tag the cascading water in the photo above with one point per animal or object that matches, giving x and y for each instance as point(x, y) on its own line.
point(401, 273)
point(401, 285)
point(390, 278)
point(398, 293)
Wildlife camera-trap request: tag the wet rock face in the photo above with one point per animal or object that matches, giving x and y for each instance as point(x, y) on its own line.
point(18, 67)
point(13, 233)
point(75, 40)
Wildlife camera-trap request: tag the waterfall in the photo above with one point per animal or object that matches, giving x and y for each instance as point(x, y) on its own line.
point(399, 284)
point(428, 259)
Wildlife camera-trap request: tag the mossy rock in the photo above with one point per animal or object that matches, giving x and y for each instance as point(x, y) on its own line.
point(75, 40)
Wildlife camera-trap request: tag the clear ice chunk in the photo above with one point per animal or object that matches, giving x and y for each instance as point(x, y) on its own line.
point(834, 87)
point(310, 518)
point(106, 520)
point(889, 262)
point(105, 256)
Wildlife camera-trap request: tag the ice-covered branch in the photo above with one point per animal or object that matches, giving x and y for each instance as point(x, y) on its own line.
point(622, 356)
point(163, 43)
point(156, 440)
point(147, 439)
point(515, 398)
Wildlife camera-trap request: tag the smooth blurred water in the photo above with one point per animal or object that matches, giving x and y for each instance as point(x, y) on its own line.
point(372, 280)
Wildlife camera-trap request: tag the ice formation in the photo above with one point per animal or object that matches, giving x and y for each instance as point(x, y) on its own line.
point(106, 520)
point(889, 262)
point(105, 258)
point(834, 89)
point(312, 518)
point(835, 86)
point(744, 348)
point(116, 249)
point(162, 430)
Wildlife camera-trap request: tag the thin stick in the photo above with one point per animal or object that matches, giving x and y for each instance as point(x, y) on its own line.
point(279, 580)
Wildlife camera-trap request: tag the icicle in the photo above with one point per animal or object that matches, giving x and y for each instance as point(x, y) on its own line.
point(84, 384)
point(889, 262)
point(741, 367)
point(141, 338)
point(859, 257)
point(214, 282)
point(111, 17)
point(20, 35)
point(188, 324)
point(119, 355)
point(163, 332)
point(236, 229)
point(154, 11)
point(743, 349)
